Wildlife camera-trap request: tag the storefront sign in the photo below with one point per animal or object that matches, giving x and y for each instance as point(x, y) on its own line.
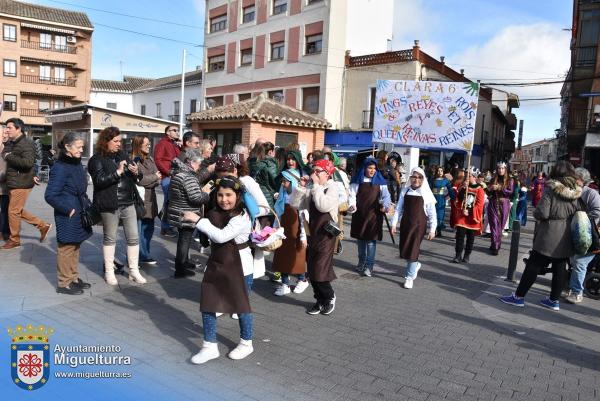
point(426, 114)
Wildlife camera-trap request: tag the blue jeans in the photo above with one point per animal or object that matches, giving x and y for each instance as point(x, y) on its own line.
point(579, 263)
point(164, 184)
point(366, 253)
point(285, 278)
point(411, 269)
point(209, 320)
point(146, 230)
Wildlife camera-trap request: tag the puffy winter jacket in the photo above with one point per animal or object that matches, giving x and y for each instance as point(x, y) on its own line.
point(184, 194)
point(266, 174)
point(20, 158)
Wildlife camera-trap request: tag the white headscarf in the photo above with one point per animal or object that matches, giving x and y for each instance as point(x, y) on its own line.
point(424, 189)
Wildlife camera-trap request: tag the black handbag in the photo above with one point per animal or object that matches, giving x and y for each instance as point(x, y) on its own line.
point(138, 202)
point(90, 216)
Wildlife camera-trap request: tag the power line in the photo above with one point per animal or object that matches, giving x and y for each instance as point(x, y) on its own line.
point(149, 34)
point(129, 15)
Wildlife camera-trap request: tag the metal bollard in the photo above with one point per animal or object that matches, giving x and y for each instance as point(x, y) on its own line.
point(514, 251)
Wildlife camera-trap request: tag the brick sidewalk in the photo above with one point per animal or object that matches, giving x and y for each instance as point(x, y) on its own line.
point(448, 338)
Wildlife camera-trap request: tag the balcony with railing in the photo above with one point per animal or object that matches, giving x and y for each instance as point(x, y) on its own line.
point(367, 119)
point(36, 79)
point(52, 47)
point(578, 119)
point(32, 113)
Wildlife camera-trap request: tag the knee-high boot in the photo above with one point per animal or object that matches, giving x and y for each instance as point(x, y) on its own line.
point(133, 252)
point(108, 252)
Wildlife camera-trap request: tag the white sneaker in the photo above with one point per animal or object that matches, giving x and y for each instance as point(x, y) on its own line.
point(234, 316)
point(417, 270)
point(218, 314)
point(243, 349)
point(408, 283)
point(209, 351)
point(282, 290)
point(300, 287)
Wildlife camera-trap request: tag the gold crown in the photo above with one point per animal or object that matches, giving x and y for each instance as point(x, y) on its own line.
point(30, 333)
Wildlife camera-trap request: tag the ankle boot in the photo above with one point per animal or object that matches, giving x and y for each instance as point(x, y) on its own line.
point(243, 349)
point(465, 258)
point(457, 258)
point(209, 351)
point(108, 252)
point(134, 269)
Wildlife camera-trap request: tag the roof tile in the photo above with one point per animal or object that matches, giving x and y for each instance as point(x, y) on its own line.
point(50, 14)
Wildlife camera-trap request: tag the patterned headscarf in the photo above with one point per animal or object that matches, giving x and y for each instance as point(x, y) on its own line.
point(325, 165)
point(224, 163)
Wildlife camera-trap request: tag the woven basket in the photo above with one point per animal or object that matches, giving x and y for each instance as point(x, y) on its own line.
point(276, 244)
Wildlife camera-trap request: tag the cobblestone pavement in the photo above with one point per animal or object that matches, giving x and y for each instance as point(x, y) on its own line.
point(446, 339)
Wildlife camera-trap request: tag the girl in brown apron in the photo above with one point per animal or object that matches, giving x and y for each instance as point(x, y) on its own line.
point(322, 203)
point(417, 214)
point(290, 258)
point(228, 276)
point(369, 200)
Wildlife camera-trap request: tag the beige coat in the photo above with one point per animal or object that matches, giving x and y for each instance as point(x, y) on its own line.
point(325, 202)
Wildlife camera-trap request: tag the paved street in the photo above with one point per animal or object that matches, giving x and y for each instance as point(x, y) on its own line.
point(446, 339)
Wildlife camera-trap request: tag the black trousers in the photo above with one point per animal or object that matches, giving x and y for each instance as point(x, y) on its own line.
point(461, 233)
point(535, 263)
point(183, 248)
point(323, 291)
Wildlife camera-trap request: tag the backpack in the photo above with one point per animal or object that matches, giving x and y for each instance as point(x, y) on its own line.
point(581, 232)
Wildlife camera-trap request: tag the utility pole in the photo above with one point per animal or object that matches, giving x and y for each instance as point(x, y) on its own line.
point(181, 105)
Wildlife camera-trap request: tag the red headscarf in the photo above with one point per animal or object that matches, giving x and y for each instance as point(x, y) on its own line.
point(325, 165)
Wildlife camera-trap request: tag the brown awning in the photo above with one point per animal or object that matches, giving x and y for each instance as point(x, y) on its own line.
point(53, 96)
point(45, 61)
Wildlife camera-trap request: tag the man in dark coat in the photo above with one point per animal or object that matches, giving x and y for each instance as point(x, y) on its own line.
point(20, 159)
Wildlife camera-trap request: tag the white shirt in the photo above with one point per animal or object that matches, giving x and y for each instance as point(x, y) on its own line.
point(429, 209)
point(237, 229)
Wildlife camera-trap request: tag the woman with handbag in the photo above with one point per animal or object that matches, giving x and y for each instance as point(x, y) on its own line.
point(321, 201)
point(552, 240)
point(66, 192)
point(115, 195)
point(146, 188)
point(369, 200)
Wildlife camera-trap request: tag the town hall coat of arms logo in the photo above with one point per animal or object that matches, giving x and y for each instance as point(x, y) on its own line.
point(30, 356)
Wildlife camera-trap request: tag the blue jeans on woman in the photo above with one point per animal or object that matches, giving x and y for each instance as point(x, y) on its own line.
point(209, 320)
point(579, 264)
point(146, 230)
point(366, 254)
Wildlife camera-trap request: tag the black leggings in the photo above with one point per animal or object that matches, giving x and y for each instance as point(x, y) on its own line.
point(535, 263)
point(461, 232)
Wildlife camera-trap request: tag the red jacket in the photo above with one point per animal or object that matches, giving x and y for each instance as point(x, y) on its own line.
point(474, 206)
point(164, 153)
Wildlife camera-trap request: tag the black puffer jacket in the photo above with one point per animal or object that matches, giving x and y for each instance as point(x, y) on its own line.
point(20, 158)
point(184, 194)
point(110, 189)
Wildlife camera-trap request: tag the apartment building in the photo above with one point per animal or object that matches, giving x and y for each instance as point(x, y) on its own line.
point(579, 135)
point(46, 57)
point(290, 50)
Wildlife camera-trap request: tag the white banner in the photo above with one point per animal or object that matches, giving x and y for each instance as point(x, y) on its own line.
point(426, 114)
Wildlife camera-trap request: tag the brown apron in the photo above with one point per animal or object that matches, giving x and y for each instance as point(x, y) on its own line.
point(223, 287)
point(367, 221)
point(413, 226)
point(290, 257)
point(319, 260)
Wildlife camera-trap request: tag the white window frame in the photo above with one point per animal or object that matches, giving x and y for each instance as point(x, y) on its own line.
point(60, 74)
point(278, 45)
point(247, 11)
point(60, 43)
point(45, 72)
point(4, 101)
point(45, 40)
point(58, 104)
point(46, 103)
point(312, 39)
point(280, 7)
point(10, 68)
point(9, 32)
point(246, 53)
point(214, 61)
point(218, 24)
